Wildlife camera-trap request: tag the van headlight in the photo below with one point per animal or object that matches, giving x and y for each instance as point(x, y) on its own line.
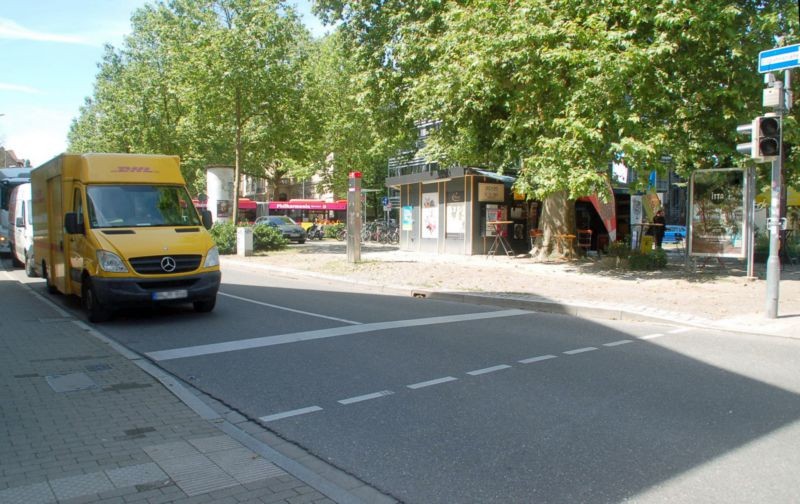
point(110, 262)
point(212, 257)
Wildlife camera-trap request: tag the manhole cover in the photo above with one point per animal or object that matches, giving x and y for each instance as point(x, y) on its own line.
point(70, 382)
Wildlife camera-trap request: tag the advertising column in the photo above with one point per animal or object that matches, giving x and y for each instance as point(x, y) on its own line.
point(219, 182)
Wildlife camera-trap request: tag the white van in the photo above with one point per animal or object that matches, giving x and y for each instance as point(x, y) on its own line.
point(20, 220)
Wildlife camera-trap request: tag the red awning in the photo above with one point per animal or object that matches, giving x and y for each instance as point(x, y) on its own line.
point(247, 204)
point(606, 211)
point(308, 205)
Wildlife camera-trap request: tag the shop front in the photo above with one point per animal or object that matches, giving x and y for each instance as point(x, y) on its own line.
point(308, 211)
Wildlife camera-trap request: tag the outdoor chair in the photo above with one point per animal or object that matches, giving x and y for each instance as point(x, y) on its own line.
point(585, 240)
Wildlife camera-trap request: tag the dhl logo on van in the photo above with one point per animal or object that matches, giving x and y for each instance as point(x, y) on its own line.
point(132, 169)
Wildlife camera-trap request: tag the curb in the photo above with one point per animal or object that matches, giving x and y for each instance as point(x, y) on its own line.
point(573, 309)
point(313, 471)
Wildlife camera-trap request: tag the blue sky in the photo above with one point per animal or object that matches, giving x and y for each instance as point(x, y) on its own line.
point(49, 50)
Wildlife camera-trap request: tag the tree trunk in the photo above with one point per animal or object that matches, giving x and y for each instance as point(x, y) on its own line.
point(558, 218)
point(237, 159)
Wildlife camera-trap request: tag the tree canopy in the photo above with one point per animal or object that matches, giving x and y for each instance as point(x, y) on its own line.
point(554, 89)
point(559, 89)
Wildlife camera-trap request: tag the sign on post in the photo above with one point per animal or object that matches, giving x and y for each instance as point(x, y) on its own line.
point(780, 58)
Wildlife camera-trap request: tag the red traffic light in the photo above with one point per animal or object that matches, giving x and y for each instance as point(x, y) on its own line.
point(769, 137)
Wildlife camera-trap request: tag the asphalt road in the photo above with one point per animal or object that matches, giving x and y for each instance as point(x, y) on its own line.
point(436, 402)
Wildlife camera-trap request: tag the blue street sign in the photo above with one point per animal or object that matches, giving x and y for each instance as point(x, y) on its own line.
point(385, 200)
point(779, 58)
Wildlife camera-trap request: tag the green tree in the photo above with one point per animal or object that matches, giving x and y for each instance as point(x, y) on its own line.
point(215, 81)
point(348, 137)
point(558, 89)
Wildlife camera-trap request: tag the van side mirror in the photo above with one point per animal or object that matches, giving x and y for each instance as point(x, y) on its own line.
point(19, 222)
point(207, 219)
point(72, 224)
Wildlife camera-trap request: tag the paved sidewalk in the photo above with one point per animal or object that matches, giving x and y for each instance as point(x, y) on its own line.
point(713, 298)
point(81, 421)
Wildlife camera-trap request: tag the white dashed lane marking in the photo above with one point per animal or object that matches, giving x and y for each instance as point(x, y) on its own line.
point(618, 343)
point(430, 383)
point(477, 372)
point(488, 370)
point(365, 397)
point(291, 413)
point(580, 350)
point(540, 358)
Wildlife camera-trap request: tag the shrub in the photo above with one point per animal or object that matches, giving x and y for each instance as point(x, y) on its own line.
point(224, 236)
point(332, 230)
point(620, 249)
point(268, 238)
point(653, 260)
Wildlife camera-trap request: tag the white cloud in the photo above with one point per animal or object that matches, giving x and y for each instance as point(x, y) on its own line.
point(11, 30)
point(36, 133)
point(19, 88)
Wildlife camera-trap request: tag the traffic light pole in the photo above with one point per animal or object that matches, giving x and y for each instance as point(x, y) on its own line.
point(774, 224)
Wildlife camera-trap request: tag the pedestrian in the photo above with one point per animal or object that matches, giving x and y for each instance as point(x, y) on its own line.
point(659, 225)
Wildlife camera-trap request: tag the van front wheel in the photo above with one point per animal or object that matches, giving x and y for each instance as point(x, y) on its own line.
point(205, 305)
point(94, 309)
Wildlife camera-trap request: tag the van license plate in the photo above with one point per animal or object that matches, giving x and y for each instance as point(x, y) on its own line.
point(176, 294)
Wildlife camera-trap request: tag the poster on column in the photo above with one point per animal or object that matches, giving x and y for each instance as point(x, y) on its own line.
point(455, 225)
point(430, 215)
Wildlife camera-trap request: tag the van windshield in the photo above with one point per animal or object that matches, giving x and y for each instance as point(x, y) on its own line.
point(111, 206)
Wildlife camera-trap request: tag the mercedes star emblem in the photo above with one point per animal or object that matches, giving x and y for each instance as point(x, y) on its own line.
point(168, 264)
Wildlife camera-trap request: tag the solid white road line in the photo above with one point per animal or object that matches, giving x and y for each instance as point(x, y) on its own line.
point(537, 359)
point(365, 397)
point(618, 343)
point(431, 382)
point(285, 308)
point(488, 370)
point(580, 350)
point(265, 341)
point(287, 414)
point(651, 336)
point(680, 330)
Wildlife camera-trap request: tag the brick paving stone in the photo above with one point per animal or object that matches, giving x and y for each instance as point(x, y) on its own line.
point(91, 445)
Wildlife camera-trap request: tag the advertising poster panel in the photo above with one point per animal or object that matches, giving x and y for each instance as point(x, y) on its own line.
point(456, 223)
point(407, 221)
point(718, 224)
point(430, 215)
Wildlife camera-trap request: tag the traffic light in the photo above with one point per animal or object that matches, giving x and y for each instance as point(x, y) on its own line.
point(767, 138)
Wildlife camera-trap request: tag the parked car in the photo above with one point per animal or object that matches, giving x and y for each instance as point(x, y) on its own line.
point(290, 229)
point(674, 234)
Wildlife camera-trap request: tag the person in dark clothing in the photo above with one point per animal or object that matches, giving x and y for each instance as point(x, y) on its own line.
point(658, 229)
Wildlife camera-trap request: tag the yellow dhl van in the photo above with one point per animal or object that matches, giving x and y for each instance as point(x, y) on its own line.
point(120, 230)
